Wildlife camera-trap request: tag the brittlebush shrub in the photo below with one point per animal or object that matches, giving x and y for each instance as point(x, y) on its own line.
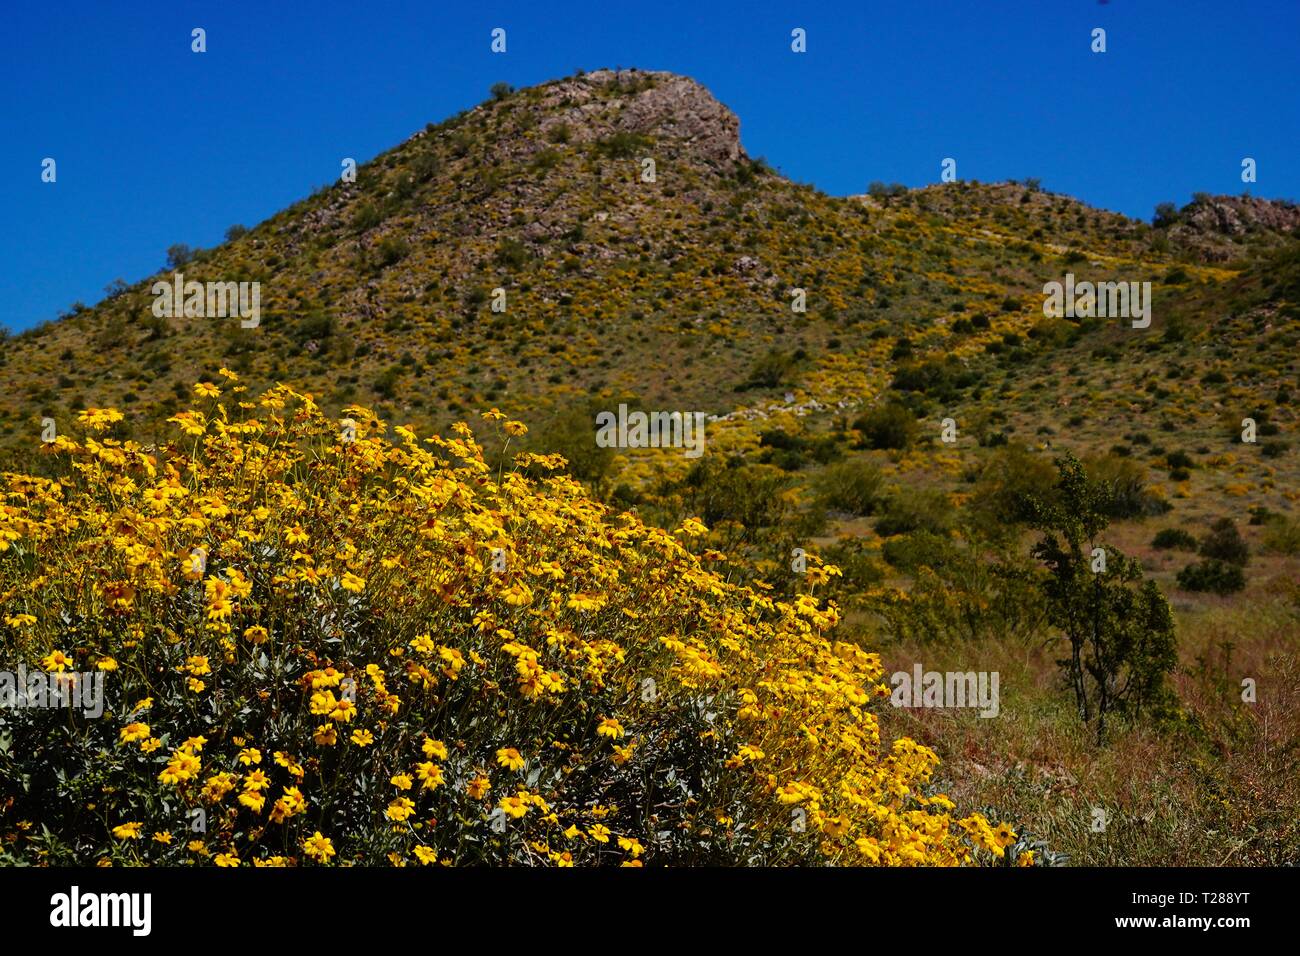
point(349, 645)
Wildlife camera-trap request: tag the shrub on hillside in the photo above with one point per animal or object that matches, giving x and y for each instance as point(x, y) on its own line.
point(879, 190)
point(425, 166)
point(1225, 543)
point(965, 589)
point(755, 514)
point(792, 451)
point(366, 218)
point(622, 145)
point(1011, 477)
point(853, 487)
point(571, 433)
point(887, 426)
point(391, 250)
point(180, 255)
point(1123, 482)
point(1168, 539)
point(752, 496)
point(1166, 215)
point(916, 509)
point(1212, 575)
point(908, 552)
point(1282, 535)
point(771, 370)
point(511, 253)
point(939, 379)
point(859, 565)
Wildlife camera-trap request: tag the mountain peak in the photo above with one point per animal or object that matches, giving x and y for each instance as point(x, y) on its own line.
point(656, 104)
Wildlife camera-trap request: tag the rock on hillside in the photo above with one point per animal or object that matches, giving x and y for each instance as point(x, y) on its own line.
point(1215, 226)
point(662, 104)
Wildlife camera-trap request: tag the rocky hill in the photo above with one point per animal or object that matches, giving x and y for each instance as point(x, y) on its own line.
point(882, 386)
point(672, 285)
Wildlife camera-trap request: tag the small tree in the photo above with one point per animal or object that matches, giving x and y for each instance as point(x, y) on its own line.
point(179, 254)
point(1119, 626)
point(1166, 215)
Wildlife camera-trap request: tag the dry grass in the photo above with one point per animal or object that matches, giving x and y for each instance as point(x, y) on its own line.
point(1219, 786)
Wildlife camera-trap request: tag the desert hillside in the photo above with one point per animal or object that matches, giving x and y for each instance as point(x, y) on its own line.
point(904, 462)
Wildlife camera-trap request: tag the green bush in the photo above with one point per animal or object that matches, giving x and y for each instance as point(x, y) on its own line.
point(1173, 539)
point(1012, 475)
point(752, 496)
point(940, 379)
point(571, 432)
point(791, 452)
point(852, 487)
point(878, 190)
point(622, 145)
point(386, 384)
point(918, 549)
point(1225, 543)
point(887, 426)
point(366, 218)
point(392, 249)
point(1123, 484)
point(1166, 215)
point(859, 565)
point(1282, 535)
point(916, 509)
point(961, 590)
point(425, 166)
point(752, 511)
point(770, 371)
point(1213, 575)
point(511, 253)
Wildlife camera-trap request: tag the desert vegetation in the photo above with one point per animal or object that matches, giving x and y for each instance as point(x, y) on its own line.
point(344, 626)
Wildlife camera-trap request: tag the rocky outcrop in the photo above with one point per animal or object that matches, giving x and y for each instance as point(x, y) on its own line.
point(1237, 216)
point(647, 103)
point(1215, 227)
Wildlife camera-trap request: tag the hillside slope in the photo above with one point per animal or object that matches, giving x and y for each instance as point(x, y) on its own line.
point(521, 256)
point(676, 292)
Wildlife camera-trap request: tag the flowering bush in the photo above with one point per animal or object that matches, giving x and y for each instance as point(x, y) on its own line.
point(325, 645)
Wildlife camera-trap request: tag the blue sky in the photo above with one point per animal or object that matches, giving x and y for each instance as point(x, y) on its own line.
point(156, 144)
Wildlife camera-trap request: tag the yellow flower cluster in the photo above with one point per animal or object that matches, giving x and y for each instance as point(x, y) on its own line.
point(448, 660)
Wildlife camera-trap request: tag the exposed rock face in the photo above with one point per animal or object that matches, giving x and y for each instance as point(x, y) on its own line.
point(1238, 215)
point(1215, 226)
point(648, 103)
